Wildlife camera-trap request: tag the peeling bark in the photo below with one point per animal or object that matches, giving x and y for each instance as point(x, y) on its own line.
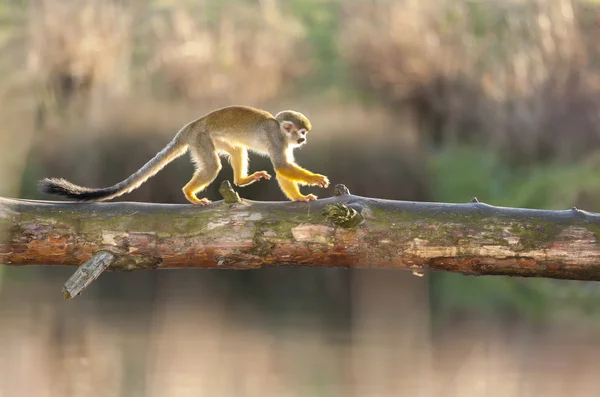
point(343, 231)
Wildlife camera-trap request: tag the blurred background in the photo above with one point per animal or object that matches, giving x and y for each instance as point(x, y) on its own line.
point(432, 100)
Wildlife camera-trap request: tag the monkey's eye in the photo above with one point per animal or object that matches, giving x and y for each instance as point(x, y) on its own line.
point(302, 131)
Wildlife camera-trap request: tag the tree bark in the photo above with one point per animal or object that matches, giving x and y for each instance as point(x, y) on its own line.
point(343, 231)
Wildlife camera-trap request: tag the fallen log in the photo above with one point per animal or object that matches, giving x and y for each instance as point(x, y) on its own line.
point(341, 231)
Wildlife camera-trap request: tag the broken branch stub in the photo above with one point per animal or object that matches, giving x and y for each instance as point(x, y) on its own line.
point(229, 195)
point(87, 273)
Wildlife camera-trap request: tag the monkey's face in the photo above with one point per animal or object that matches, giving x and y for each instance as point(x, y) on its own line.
point(296, 136)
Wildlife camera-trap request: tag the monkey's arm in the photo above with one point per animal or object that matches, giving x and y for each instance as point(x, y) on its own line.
point(298, 174)
point(290, 189)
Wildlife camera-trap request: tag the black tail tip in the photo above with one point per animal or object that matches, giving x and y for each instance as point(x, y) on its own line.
point(64, 188)
point(52, 186)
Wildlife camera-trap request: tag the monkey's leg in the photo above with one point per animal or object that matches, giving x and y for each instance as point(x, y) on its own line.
point(298, 174)
point(238, 157)
point(208, 166)
point(290, 189)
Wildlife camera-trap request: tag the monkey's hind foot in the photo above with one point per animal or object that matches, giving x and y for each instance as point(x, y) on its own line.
point(196, 201)
point(203, 201)
point(257, 176)
point(307, 198)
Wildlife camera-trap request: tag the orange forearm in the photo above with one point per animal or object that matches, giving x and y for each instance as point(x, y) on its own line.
point(291, 191)
point(295, 173)
point(289, 188)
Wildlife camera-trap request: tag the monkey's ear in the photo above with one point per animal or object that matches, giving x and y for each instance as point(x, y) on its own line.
point(287, 126)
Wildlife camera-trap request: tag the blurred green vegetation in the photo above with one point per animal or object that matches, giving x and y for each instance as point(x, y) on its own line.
point(458, 173)
point(323, 19)
point(464, 171)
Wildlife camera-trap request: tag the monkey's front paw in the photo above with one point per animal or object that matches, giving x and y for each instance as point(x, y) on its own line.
point(320, 180)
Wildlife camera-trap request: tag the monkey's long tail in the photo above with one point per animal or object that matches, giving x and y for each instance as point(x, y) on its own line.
point(61, 187)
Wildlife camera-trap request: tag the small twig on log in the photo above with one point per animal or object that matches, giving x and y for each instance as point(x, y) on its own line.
point(229, 195)
point(87, 273)
point(341, 190)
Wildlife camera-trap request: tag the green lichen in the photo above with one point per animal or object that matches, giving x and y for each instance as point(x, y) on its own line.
point(454, 227)
point(534, 234)
point(262, 246)
point(595, 229)
point(267, 233)
point(281, 228)
point(167, 223)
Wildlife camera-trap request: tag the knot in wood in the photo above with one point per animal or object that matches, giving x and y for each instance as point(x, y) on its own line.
point(342, 215)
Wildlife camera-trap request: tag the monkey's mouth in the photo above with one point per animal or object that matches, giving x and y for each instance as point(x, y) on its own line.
point(301, 141)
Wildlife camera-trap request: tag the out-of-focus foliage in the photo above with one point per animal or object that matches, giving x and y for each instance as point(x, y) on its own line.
point(229, 51)
point(437, 100)
point(459, 172)
point(497, 100)
point(519, 77)
point(237, 51)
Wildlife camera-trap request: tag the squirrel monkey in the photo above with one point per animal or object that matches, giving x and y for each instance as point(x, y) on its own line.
point(230, 131)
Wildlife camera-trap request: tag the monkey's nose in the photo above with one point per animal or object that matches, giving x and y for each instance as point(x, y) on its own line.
point(301, 140)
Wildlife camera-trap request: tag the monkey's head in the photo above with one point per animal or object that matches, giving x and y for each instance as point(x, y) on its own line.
point(294, 125)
